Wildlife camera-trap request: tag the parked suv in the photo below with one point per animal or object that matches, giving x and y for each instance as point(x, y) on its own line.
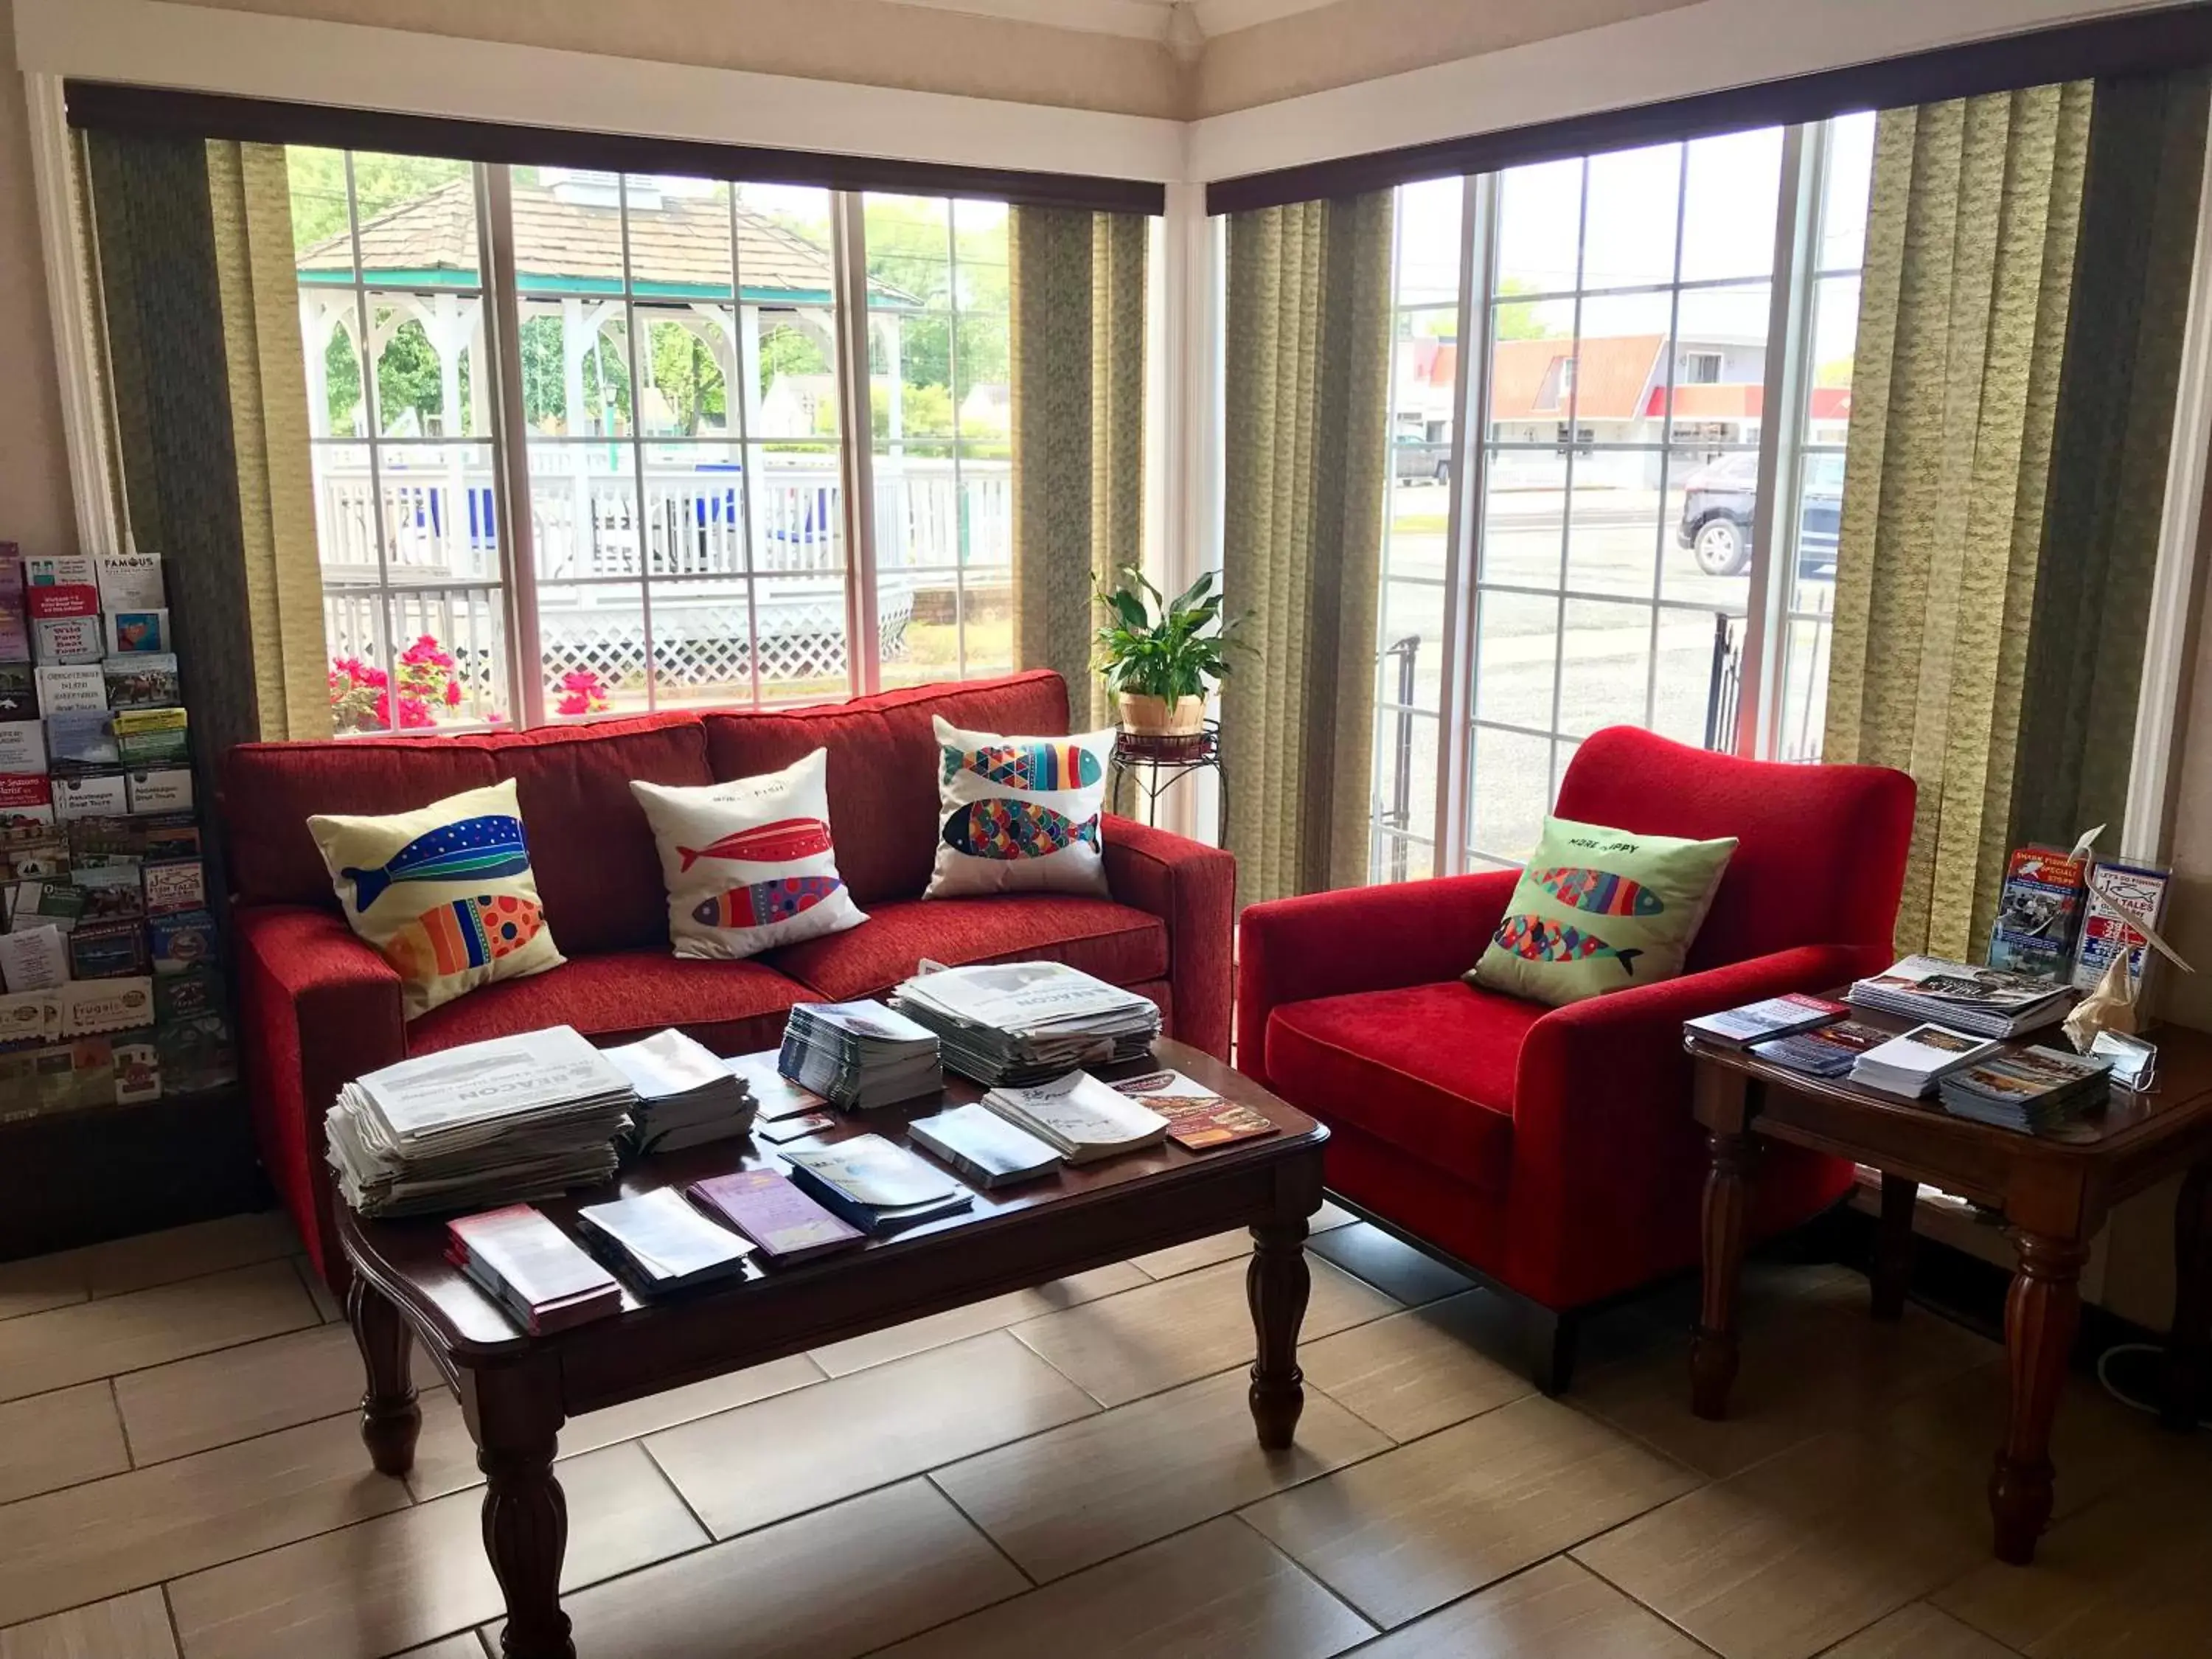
point(1717, 503)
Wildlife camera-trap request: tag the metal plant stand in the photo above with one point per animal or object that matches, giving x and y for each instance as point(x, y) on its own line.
point(1157, 764)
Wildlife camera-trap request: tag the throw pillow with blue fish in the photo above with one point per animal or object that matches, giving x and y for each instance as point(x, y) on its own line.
point(445, 893)
point(1027, 765)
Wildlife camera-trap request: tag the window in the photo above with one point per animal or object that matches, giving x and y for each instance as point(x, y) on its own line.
point(683, 435)
point(1610, 487)
point(391, 323)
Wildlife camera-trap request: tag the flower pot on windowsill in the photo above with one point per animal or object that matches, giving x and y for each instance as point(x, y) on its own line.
point(1156, 717)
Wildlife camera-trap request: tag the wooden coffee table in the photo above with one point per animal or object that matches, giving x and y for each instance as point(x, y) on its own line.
point(516, 1390)
point(2054, 1193)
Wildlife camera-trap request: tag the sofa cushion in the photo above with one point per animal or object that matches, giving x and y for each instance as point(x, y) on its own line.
point(270, 790)
point(1112, 941)
point(882, 765)
point(733, 1007)
point(598, 869)
point(1444, 1094)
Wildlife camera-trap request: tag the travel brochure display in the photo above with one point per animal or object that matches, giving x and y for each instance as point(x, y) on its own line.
point(858, 1056)
point(105, 896)
point(1985, 1002)
point(513, 1118)
point(1026, 1022)
point(2126, 903)
point(2039, 912)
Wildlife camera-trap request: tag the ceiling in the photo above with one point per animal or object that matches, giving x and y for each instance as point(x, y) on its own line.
point(1143, 20)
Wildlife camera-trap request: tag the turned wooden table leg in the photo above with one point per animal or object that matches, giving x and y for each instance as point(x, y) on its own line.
point(2181, 1382)
point(1892, 1249)
point(1713, 1347)
point(1276, 1284)
point(2041, 1315)
point(525, 1517)
point(391, 1418)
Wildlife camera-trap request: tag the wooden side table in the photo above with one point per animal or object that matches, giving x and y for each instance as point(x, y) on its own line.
point(2054, 1191)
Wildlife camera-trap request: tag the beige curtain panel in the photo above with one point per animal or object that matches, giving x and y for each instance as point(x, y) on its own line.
point(2027, 264)
point(1308, 359)
point(1971, 240)
point(1078, 389)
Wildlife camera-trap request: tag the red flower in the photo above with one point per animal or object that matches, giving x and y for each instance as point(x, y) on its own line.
point(452, 693)
point(573, 702)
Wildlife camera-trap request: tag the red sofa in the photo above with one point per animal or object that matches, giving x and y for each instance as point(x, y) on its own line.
point(1552, 1152)
point(317, 1007)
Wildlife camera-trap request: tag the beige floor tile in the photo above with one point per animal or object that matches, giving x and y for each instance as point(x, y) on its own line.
point(133, 1627)
point(1813, 1361)
point(1799, 1552)
point(205, 1247)
point(234, 1394)
point(1145, 1340)
point(1199, 1253)
point(128, 1530)
point(38, 1282)
point(127, 1333)
point(1219, 1592)
point(1391, 1266)
point(446, 1458)
point(1555, 1610)
point(59, 1439)
point(999, 1312)
point(326, 1304)
point(1412, 1373)
point(1062, 1501)
point(1407, 1532)
point(1329, 1215)
point(1919, 1631)
point(842, 1581)
point(766, 1462)
point(454, 1647)
point(395, 1582)
point(2124, 1579)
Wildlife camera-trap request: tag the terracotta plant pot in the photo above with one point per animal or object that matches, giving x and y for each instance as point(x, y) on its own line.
point(1156, 717)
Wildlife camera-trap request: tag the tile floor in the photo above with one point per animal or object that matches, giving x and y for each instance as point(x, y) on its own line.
point(1070, 1469)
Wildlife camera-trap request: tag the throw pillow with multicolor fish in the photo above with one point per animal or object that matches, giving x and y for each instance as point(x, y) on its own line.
point(1016, 830)
point(1600, 891)
point(1535, 940)
point(769, 843)
point(763, 903)
point(474, 849)
point(463, 934)
point(1039, 765)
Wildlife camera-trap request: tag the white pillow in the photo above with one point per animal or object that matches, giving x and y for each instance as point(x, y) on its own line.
point(748, 863)
point(1019, 815)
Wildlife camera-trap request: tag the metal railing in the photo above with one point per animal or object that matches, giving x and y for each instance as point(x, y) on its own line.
point(1399, 815)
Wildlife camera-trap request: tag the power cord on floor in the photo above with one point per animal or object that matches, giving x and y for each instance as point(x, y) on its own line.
point(2129, 1373)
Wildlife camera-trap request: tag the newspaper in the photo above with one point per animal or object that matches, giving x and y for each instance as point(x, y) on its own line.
point(1018, 996)
point(483, 1082)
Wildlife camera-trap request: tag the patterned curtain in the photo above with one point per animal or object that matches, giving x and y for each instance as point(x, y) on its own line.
point(194, 245)
point(1308, 325)
point(1971, 237)
point(1079, 428)
point(2026, 269)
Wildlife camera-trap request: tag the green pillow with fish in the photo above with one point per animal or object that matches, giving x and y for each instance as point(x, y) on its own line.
point(445, 893)
point(1599, 909)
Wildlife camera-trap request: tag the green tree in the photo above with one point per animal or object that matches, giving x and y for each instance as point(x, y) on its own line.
point(908, 252)
point(380, 183)
point(1521, 322)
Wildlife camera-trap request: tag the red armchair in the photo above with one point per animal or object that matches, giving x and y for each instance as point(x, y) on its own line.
point(1550, 1151)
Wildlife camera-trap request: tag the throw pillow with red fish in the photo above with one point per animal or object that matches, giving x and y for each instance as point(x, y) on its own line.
point(1599, 910)
point(445, 893)
point(750, 863)
point(1019, 814)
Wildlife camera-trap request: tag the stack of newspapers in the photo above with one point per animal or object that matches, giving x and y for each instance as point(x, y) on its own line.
point(686, 1097)
point(859, 1054)
point(1029, 1022)
point(503, 1121)
point(1986, 1001)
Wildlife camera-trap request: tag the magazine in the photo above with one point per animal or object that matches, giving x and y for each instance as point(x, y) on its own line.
point(2039, 912)
point(1987, 1001)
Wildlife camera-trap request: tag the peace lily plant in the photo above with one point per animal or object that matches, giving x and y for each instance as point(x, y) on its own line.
point(1161, 657)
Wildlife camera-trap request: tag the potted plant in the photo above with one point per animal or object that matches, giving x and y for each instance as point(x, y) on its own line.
point(1162, 657)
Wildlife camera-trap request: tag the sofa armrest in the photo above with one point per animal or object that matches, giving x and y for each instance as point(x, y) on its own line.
point(1603, 1136)
point(317, 1008)
point(1359, 939)
point(1192, 887)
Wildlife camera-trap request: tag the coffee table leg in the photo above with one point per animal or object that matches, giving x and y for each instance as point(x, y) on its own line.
point(391, 1419)
point(1893, 1249)
point(2040, 1317)
point(516, 1419)
point(1276, 1284)
point(2181, 1383)
point(1713, 1347)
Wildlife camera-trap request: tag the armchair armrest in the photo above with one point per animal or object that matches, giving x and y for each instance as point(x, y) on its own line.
point(1603, 1136)
point(1192, 887)
point(317, 1008)
point(1359, 939)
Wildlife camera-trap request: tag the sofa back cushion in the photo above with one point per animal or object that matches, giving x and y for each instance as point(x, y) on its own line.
point(882, 765)
point(1820, 849)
